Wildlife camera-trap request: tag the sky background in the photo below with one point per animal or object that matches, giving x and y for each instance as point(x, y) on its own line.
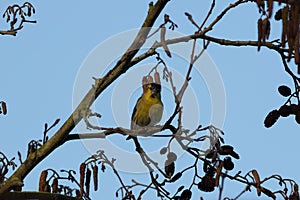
point(40, 65)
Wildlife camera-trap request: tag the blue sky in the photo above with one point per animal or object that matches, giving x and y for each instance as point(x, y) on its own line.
point(40, 66)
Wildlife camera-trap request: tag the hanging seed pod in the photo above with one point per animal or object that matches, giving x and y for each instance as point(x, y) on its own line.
point(176, 177)
point(4, 108)
point(95, 177)
point(265, 29)
point(285, 24)
point(43, 181)
point(297, 116)
point(260, 33)
point(294, 12)
point(156, 77)
point(82, 176)
point(257, 180)
point(260, 5)
point(296, 47)
point(284, 90)
point(285, 110)
point(278, 15)
point(271, 118)
point(186, 195)
point(54, 185)
point(150, 79)
point(228, 164)
point(88, 181)
point(207, 184)
point(291, 33)
point(144, 83)
point(163, 42)
point(169, 169)
point(270, 8)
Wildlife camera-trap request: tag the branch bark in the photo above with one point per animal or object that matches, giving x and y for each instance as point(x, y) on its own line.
point(61, 135)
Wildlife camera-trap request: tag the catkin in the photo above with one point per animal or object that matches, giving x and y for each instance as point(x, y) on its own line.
point(82, 176)
point(95, 177)
point(43, 181)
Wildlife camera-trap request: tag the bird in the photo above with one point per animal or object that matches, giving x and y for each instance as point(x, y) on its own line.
point(149, 107)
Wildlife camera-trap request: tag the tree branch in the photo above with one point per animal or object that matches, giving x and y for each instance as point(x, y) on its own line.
point(60, 136)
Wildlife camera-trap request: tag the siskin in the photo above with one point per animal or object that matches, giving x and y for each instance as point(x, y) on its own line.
point(149, 107)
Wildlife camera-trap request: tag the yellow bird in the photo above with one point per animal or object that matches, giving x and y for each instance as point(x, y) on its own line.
point(149, 107)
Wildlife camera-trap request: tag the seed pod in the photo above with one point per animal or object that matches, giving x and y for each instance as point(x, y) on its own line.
point(270, 7)
point(43, 181)
point(228, 164)
point(88, 181)
point(176, 177)
point(82, 176)
point(285, 110)
point(291, 34)
point(163, 150)
point(271, 118)
point(150, 79)
point(294, 108)
point(284, 90)
point(144, 83)
point(296, 47)
point(95, 177)
point(169, 169)
point(172, 157)
point(265, 29)
point(156, 77)
point(4, 108)
point(54, 185)
point(260, 33)
point(186, 195)
point(260, 5)
point(297, 117)
point(257, 180)
point(285, 25)
point(294, 17)
point(207, 184)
